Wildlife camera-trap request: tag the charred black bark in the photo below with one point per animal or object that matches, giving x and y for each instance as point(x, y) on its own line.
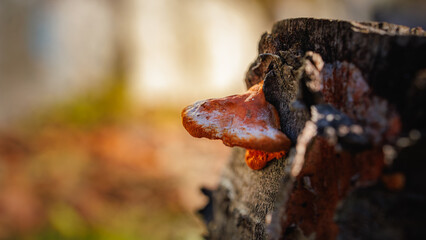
point(351, 96)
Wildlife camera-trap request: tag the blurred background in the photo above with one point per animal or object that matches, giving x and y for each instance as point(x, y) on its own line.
point(91, 142)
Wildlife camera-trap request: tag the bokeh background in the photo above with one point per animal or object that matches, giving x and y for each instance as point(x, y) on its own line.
point(91, 143)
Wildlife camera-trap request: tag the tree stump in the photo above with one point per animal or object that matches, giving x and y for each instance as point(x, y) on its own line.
point(351, 96)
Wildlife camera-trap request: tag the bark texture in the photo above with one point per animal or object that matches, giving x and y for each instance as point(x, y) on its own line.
point(351, 96)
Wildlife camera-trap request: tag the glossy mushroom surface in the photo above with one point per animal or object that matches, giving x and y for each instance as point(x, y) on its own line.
point(246, 120)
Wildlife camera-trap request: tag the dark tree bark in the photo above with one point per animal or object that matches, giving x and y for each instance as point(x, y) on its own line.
point(351, 96)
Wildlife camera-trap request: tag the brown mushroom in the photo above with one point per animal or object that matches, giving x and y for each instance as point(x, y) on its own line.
point(246, 120)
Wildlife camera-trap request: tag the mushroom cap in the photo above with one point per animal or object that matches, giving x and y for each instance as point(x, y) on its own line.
point(246, 120)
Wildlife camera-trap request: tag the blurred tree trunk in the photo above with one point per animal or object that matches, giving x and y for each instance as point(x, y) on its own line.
point(351, 97)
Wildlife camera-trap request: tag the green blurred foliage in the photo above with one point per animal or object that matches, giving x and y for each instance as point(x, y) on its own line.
point(108, 104)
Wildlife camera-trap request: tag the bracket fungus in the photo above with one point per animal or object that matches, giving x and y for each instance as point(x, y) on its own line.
point(246, 120)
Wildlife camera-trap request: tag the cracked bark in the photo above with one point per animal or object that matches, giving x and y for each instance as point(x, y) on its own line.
point(351, 96)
